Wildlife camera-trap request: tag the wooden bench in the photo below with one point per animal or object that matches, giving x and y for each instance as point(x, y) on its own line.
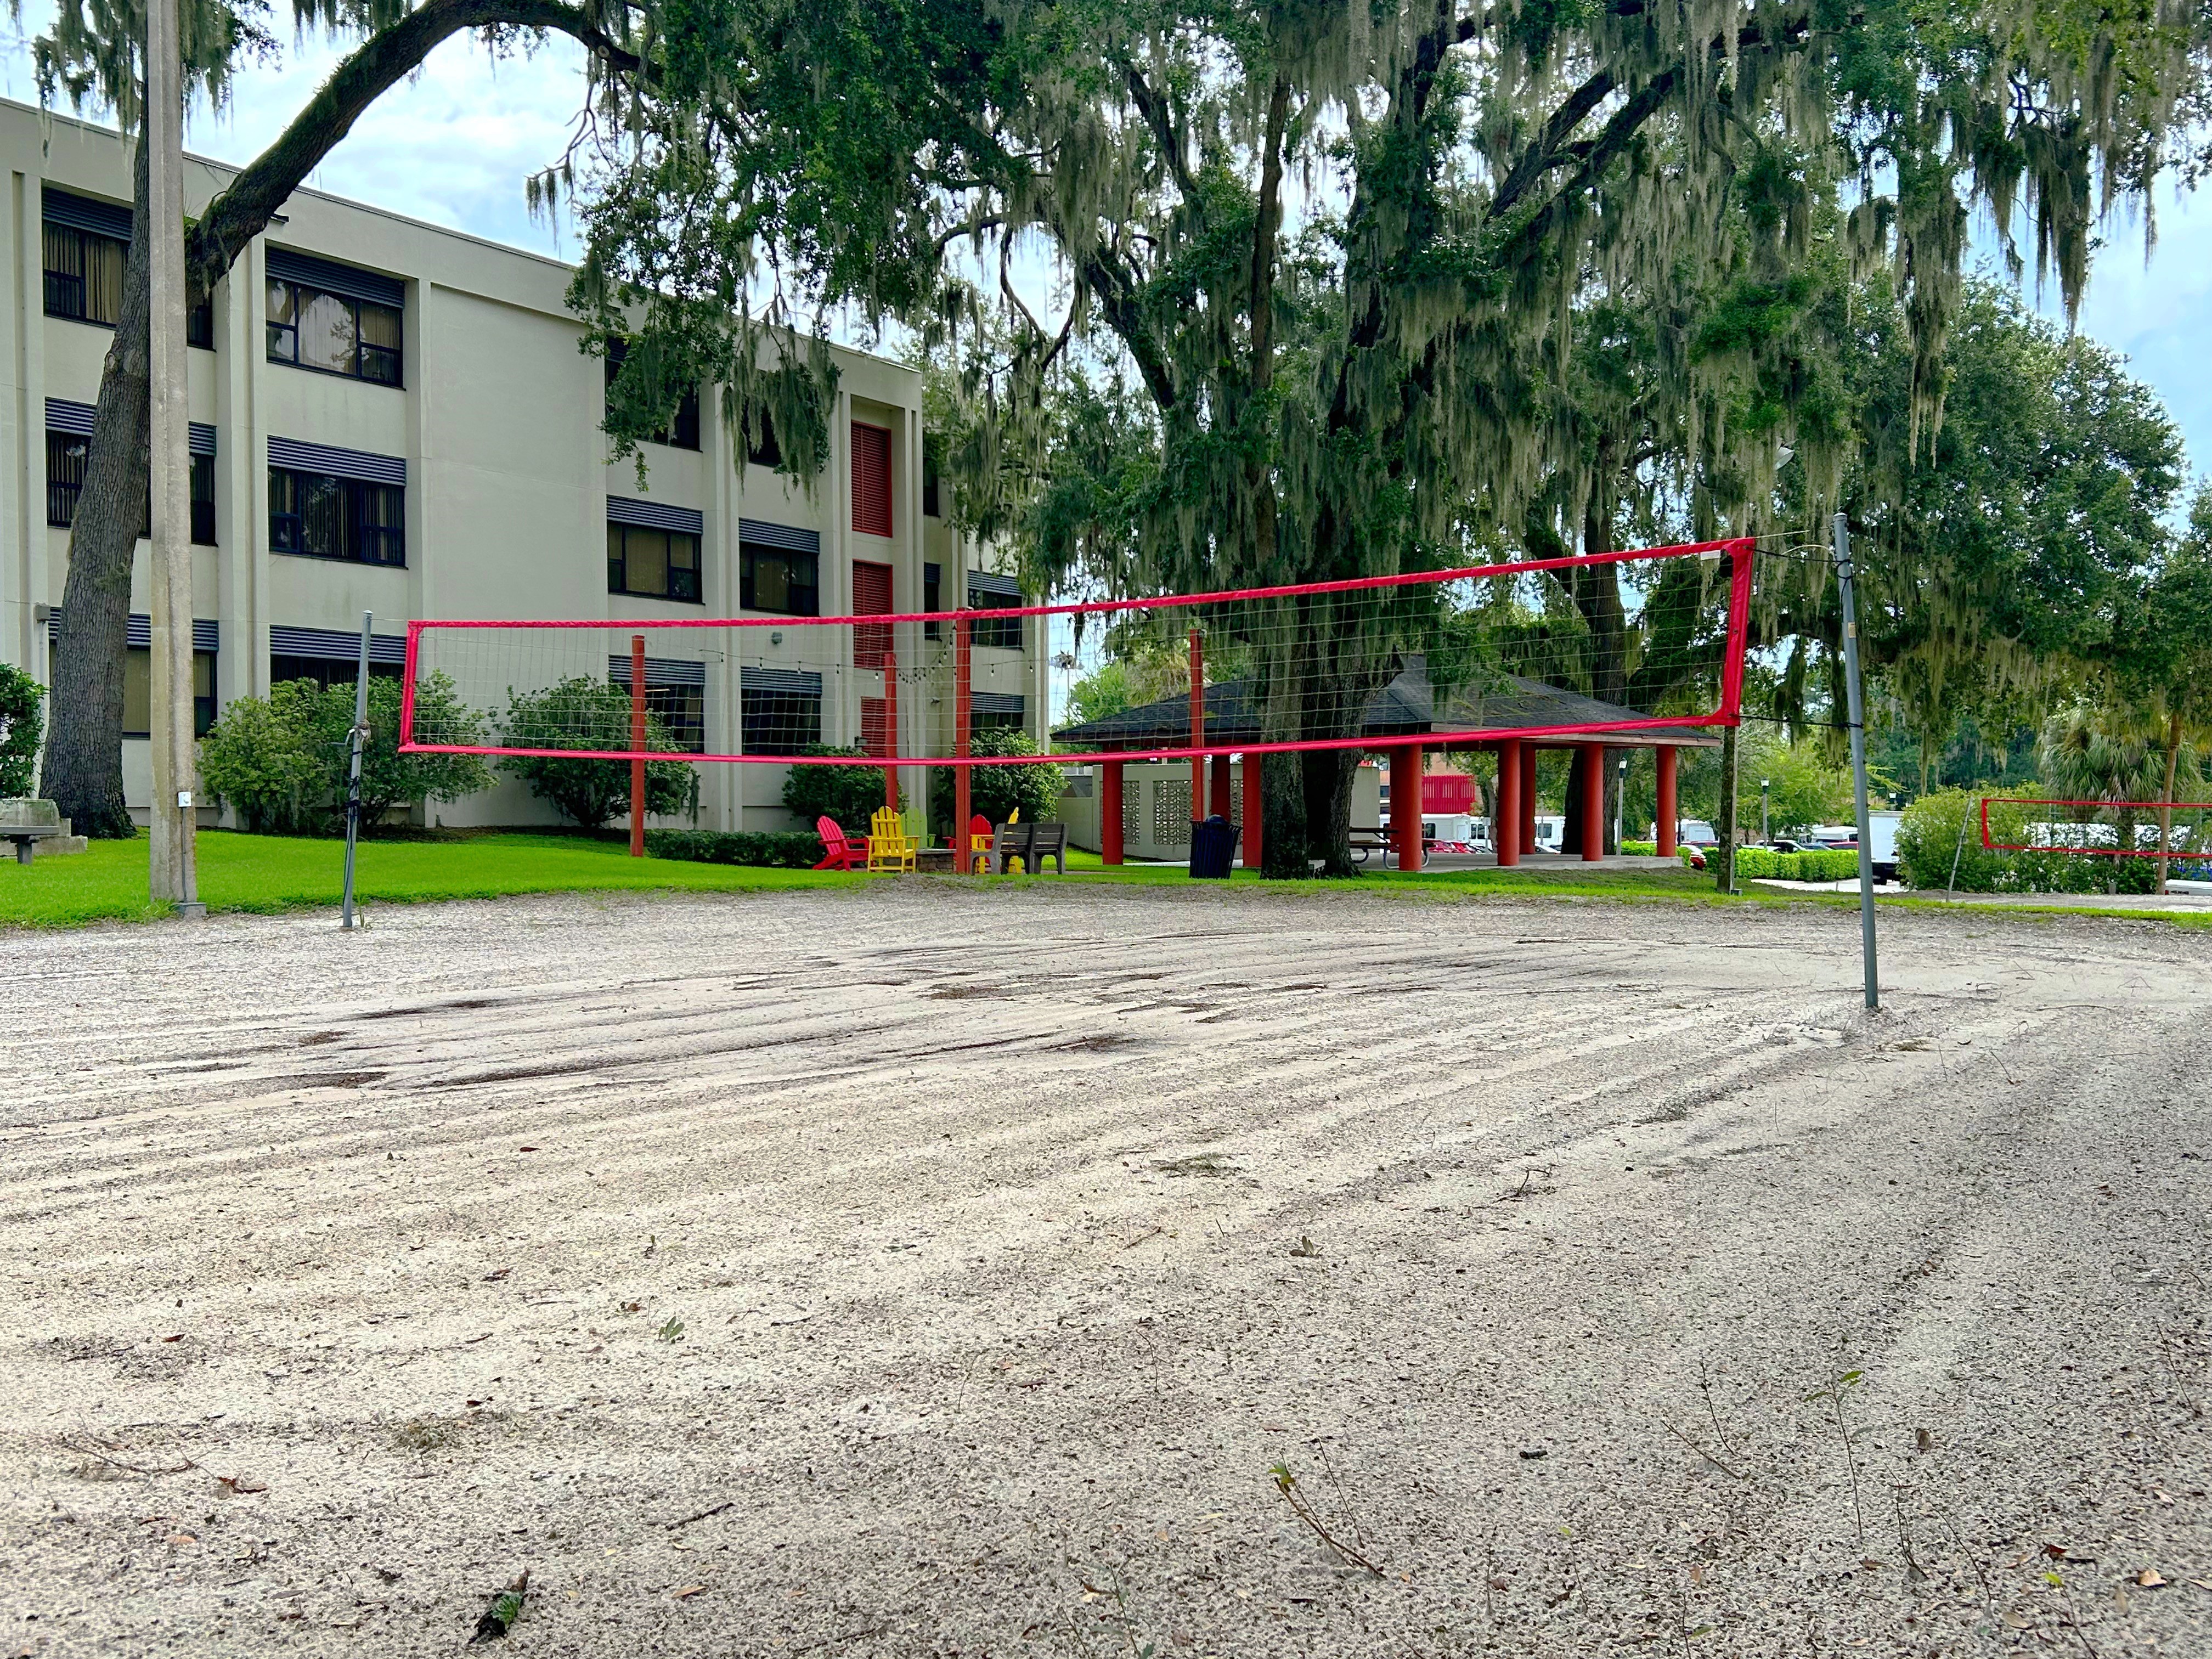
point(1032, 843)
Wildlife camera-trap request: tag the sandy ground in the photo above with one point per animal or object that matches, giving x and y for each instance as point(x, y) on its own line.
point(914, 1271)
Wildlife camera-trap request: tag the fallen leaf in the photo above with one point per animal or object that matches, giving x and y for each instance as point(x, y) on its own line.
point(179, 1337)
point(2151, 1578)
point(2017, 1621)
point(1923, 1440)
point(526, 1149)
point(689, 1590)
point(237, 1483)
point(182, 1538)
point(2056, 1551)
point(493, 1277)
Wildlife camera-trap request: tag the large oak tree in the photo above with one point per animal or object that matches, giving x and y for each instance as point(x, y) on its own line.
point(1328, 256)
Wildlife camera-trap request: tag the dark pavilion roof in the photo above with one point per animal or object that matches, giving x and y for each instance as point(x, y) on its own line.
point(1405, 708)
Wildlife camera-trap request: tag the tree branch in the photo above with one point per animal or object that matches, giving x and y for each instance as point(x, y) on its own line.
point(1161, 120)
point(260, 190)
point(1545, 153)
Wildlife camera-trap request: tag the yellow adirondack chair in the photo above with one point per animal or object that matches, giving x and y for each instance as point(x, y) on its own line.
point(889, 845)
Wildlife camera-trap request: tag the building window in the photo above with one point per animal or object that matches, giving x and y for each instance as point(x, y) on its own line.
point(930, 508)
point(988, 592)
point(66, 456)
point(682, 710)
point(782, 722)
point(309, 328)
point(139, 692)
point(997, 719)
point(321, 517)
point(767, 451)
point(203, 499)
point(326, 671)
point(84, 281)
point(778, 579)
point(653, 564)
point(682, 432)
point(933, 592)
point(872, 479)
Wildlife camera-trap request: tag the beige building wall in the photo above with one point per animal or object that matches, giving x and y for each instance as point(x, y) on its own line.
point(507, 479)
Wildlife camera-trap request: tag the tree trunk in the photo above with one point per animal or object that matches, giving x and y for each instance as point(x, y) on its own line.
point(1327, 778)
point(2166, 799)
point(1724, 854)
point(1283, 854)
point(84, 772)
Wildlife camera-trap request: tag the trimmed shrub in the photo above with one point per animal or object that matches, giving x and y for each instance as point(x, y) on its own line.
point(778, 849)
point(1639, 849)
point(21, 724)
point(848, 796)
point(996, 791)
point(282, 761)
point(1929, 837)
point(584, 713)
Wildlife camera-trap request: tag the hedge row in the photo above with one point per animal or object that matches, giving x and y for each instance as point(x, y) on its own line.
point(779, 849)
point(1820, 865)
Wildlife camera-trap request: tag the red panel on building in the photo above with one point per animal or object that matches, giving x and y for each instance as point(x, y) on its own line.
point(1447, 791)
point(872, 479)
point(875, 726)
point(872, 597)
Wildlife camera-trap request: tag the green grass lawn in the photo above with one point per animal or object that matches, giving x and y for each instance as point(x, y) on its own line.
point(271, 874)
point(267, 874)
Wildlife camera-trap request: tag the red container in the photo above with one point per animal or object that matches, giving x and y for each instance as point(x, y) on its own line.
point(1447, 791)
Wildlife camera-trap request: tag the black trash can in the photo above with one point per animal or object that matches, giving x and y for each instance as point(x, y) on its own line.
point(1212, 848)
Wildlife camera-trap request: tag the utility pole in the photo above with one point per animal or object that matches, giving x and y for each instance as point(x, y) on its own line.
point(171, 864)
point(1857, 709)
point(1764, 784)
point(357, 737)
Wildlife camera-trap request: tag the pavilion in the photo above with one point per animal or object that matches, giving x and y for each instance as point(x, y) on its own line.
point(1401, 720)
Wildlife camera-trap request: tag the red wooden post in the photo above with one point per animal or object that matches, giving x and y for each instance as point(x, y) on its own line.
point(637, 745)
point(1217, 798)
point(1255, 795)
point(1197, 725)
point(1666, 755)
point(890, 725)
point(1405, 805)
point(1527, 797)
point(1505, 820)
point(1590, 757)
point(962, 704)
point(1110, 813)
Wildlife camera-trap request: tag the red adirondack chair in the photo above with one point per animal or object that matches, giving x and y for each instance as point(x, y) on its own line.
point(839, 850)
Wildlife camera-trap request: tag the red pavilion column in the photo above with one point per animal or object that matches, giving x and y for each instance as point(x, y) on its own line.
point(1505, 816)
point(1110, 813)
point(1216, 794)
point(1527, 797)
point(1590, 757)
point(1405, 805)
point(1666, 756)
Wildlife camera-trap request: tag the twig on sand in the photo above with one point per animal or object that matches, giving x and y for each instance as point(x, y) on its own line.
point(1733, 1474)
point(1286, 1483)
point(701, 1515)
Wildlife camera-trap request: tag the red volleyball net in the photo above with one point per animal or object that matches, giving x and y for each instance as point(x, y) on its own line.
point(2098, 828)
point(1448, 657)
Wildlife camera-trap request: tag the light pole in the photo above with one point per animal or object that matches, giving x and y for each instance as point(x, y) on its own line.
point(1763, 836)
point(171, 870)
point(1620, 804)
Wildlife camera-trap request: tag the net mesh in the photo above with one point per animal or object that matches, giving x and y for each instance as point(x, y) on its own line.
point(1440, 658)
point(2102, 829)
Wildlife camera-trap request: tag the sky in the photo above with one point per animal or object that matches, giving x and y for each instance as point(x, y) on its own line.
point(453, 144)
